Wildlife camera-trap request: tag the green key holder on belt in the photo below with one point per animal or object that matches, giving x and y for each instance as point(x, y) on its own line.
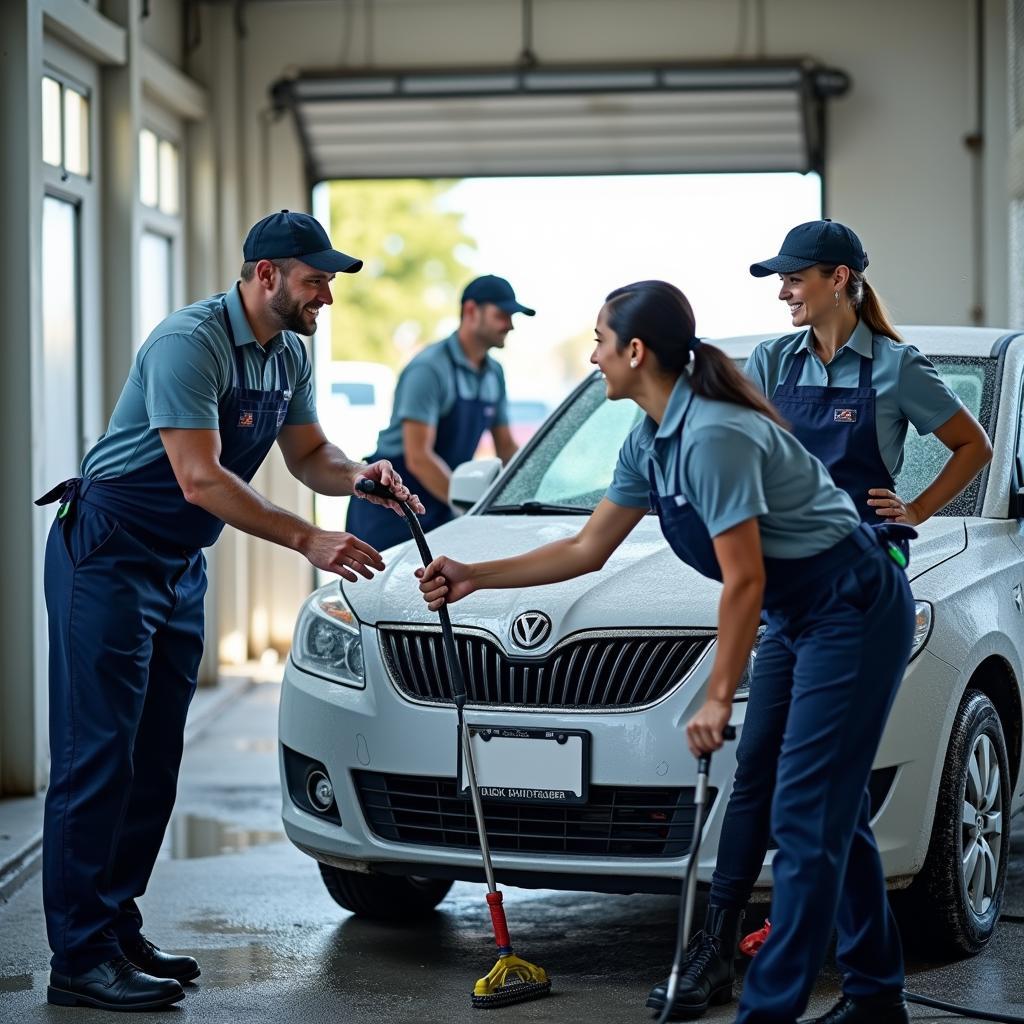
point(895, 538)
point(896, 555)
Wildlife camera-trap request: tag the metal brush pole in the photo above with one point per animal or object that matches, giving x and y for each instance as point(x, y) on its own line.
point(684, 924)
point(451, 659)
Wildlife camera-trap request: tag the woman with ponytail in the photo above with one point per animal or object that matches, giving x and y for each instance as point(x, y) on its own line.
point(849, 386)
point(742, 501)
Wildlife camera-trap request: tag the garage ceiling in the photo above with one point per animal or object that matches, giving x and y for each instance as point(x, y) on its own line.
point(576, 120)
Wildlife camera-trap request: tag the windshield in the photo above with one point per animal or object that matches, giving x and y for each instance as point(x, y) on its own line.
point(572, 461)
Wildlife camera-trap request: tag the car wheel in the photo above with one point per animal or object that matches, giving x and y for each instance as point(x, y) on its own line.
point(953, 905)
point(384, 897)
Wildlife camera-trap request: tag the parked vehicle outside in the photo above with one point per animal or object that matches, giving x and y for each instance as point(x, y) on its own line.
point(353, 404)
point(525, 417)
point(596, 677)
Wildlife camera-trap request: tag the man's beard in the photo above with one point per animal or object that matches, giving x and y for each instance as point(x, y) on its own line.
point(490, 337)
point(289, 312)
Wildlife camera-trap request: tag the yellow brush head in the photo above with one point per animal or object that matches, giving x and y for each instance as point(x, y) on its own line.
point(511, 980)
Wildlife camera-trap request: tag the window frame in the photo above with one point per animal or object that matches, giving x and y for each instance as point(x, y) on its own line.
point(167, 128)
point(69, 67)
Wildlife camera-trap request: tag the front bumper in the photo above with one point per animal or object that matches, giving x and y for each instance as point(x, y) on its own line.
point(377, 730)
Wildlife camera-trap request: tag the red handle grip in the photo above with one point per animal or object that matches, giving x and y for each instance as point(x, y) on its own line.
point(498, 921)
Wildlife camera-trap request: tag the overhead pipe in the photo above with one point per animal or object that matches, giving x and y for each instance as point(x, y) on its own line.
point(974, 141)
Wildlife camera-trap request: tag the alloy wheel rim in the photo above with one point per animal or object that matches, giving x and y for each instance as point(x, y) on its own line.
point(982, 825)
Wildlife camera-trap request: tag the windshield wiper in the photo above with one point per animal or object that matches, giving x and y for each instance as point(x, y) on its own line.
point(538, 508)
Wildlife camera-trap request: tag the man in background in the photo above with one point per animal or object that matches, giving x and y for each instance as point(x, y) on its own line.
point(445, 399)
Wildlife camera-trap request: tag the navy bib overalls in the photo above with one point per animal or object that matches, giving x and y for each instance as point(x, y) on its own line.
point(838, 633)
point(837, 426)
point(124, 581)
point(458, 434)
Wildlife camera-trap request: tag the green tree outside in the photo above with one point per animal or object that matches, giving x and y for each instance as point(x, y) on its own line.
point(412, 275)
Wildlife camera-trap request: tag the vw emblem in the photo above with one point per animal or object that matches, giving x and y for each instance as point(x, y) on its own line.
point(530, 629)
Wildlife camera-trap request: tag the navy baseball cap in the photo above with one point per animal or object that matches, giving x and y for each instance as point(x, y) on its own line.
point(288, 235)
point(497, 291)
point(818, 241)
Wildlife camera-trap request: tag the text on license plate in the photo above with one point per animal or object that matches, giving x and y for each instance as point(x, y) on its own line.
point(531, 765)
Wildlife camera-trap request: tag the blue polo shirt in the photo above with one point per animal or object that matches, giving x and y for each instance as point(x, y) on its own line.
point(183, 371)
point(733, 464)
point(907, 387)
point(428, 386)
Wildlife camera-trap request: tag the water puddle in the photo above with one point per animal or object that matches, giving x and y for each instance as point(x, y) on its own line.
point(21, 982)
point(237, 965)
point(191, 835)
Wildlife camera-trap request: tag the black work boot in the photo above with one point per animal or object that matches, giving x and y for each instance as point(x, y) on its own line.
point(113, 985)
point(155, 961)
point(887, 1008)
point(709, 969)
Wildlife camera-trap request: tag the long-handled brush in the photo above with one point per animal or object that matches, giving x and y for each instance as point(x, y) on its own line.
point(512, 979)
point(684, 922)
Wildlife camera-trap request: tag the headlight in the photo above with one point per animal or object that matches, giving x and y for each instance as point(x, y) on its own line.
point(327, 641)
point(922, 627)
point(743, 690)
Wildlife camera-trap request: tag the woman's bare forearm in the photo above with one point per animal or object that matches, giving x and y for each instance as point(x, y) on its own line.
point(960, 469)
point(565, 559)
point(553, 563)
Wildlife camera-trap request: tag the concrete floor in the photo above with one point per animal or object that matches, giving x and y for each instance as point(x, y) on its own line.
point(274, 947)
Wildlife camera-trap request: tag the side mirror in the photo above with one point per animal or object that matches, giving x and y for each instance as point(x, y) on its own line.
point(470, 481)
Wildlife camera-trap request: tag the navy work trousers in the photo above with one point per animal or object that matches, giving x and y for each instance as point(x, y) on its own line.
point(126, 637)
point(824, 681)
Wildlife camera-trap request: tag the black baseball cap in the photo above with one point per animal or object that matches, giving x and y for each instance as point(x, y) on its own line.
point(299, 236)
point(497, 291)
point(818, 241)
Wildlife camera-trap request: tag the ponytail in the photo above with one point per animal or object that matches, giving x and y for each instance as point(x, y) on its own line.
point(866, 301)
point(873, 312)
point(714, 375)
point(660, 315)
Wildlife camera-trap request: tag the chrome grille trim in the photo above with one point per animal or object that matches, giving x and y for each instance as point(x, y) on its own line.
point(593, 671)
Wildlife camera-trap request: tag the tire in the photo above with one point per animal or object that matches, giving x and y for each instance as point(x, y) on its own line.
point(952, 907)
point(396, 898)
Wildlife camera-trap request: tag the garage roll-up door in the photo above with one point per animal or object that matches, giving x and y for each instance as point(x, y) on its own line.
point(672, 118)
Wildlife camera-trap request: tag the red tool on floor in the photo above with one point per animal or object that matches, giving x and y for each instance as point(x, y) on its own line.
point(750, 944)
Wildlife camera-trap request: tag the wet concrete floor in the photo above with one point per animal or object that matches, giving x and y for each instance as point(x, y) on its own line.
point(274, 947)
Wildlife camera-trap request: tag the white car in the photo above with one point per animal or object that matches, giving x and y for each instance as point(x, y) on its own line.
point(595, 678)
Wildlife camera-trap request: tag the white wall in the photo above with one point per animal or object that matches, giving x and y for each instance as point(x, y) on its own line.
point(898, 169)
point(163, 29)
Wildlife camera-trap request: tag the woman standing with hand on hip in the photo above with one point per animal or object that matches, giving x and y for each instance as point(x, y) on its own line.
point(741, 500)
point(849, 387)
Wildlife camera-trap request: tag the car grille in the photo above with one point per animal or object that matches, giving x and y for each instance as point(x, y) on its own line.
point(603, 670)
point(616, 821)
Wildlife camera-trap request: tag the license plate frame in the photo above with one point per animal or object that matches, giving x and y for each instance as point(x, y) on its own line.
point(493, 764)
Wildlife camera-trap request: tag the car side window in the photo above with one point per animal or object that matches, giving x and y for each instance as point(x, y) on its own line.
point(972, 380)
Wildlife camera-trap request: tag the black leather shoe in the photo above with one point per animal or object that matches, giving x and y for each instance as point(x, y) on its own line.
point(888, 1008)
point(116, 984)
point(709, 971)
point(154, 961)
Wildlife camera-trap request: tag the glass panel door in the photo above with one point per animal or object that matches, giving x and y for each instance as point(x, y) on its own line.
point(61, 304)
